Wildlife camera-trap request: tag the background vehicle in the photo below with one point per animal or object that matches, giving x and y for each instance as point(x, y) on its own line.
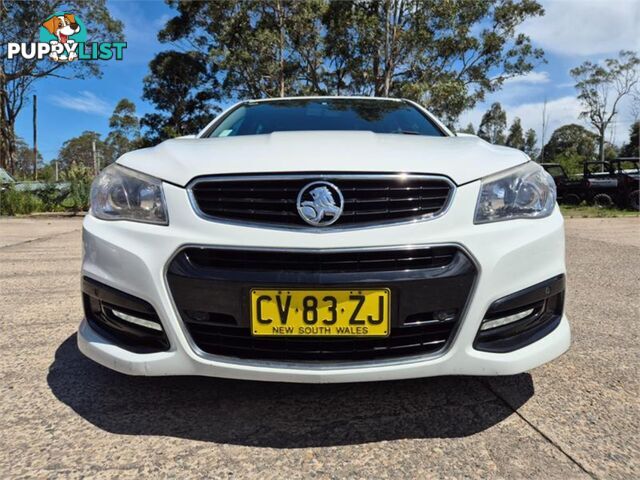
point(628, 172)
point(612, 183)
point(603, 184)
point(571, 191)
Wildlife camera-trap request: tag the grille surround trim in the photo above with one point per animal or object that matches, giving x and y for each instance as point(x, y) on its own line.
point(331, 364)
point(319, 176)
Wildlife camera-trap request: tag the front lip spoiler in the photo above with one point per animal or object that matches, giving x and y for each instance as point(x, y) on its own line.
point(330, 365)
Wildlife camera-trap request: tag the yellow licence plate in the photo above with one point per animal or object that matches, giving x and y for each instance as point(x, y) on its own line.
point(324, 313)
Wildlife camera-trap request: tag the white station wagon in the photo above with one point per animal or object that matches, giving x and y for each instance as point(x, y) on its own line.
point(324, 239)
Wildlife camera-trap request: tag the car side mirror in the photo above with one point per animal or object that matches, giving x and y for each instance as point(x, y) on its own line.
point(185, 137)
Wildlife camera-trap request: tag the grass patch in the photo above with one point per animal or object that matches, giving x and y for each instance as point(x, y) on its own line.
point(588, 211)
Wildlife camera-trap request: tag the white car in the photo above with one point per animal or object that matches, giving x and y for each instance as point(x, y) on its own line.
point(324, 239)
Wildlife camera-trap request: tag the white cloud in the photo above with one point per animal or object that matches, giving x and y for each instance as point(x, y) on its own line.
point(586, 27)
point(560, 111)
point(529, 78)
point(84, 101)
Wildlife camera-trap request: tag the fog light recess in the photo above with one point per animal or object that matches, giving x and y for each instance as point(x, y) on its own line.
point(522, 318)
point(137, 320)
point(498, 322)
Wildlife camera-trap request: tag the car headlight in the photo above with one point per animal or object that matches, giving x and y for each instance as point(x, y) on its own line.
point(122, 194)
point(526, 191)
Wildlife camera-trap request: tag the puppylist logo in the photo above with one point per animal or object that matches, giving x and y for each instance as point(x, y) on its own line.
point(63, 38)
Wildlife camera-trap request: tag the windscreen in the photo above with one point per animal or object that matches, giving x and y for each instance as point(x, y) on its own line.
point(378, 116)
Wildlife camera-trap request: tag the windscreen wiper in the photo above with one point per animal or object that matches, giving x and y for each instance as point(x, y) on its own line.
point(407, 132)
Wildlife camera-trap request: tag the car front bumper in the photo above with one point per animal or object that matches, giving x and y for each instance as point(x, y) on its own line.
point(508, 256)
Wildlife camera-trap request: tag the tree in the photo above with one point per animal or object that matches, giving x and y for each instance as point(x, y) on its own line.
point(446, 55)
point(468, 129)
point(611, 152)
point(530, 143)
point(20, 21)
point(23, 166)
point(182, 90)
point(79, 151)
point(515, 139)
point(268, 48)
point(632, 149)
point(124, 127)
point(571, 145)
point(492, 125)
point(602, 86)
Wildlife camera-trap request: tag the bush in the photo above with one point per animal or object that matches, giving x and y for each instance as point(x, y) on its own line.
point(79, 178)
point(14, 202)
point(52, 197)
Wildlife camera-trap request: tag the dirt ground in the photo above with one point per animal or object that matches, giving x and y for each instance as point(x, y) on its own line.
point(62, 415)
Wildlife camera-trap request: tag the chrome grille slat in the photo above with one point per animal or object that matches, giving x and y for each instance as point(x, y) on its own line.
point(369, 200)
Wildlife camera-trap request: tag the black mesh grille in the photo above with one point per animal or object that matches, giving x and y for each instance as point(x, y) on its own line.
point(370, 199)
point(238, 342)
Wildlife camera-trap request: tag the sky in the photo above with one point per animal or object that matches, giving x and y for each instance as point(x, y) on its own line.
point(571, 32)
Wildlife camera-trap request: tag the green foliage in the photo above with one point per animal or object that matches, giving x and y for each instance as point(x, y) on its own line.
point(124, 134)
point(446, 55)
point(632, 148)
point(590, 211)
point(530, 143)
point(23, 165)
point(14, 202)
point(493, 124)
point(259, 48)
point(572, 163)
point(79, 178)
point(611, 152)
point(180, 87)
point(79, 150)
point(571, 145)
point(47, 173)
point(516, 139)
point(52, 197)
point(468, 129)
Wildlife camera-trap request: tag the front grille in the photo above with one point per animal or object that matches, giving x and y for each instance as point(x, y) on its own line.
point(429, 286)
point(325, 261)
point(368, 199)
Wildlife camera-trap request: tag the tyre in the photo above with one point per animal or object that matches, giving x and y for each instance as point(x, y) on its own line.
point(571, 199)
point(634, 200)
point(602, 200)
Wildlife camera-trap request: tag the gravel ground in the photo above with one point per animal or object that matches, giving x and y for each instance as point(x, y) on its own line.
point(64, 416)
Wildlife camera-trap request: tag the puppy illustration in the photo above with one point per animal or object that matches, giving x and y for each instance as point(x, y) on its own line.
point(62, 26)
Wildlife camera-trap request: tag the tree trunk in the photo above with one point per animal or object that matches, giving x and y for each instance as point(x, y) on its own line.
point(7, 150)
point(387, 33)
point(7, 144)
point(281, 57)
point(7, 123)
point(601, 144)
